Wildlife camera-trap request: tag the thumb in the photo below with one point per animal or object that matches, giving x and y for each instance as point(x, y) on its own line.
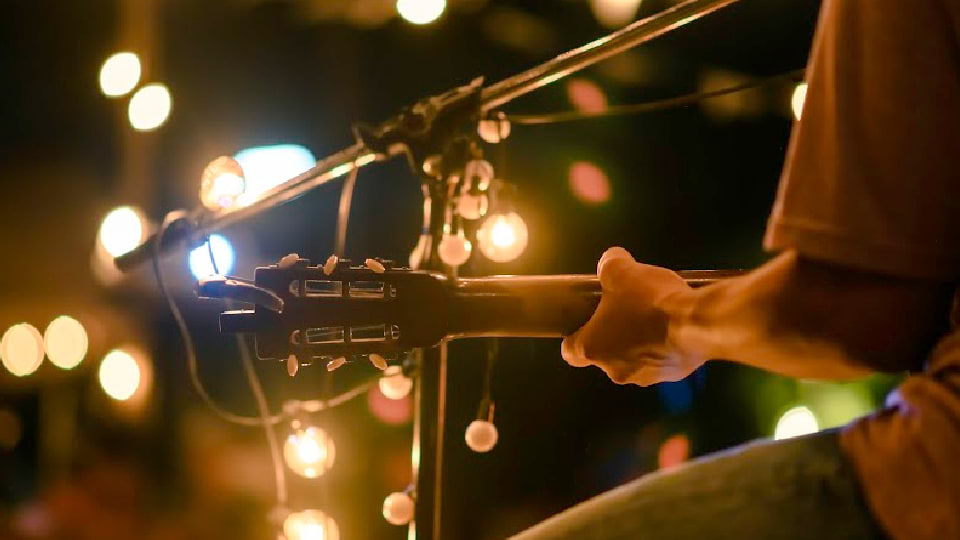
point(612, 265)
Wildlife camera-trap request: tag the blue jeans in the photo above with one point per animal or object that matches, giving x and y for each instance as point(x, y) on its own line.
point(800, 488)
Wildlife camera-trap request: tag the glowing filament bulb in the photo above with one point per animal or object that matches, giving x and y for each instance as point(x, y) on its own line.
point(421, 11)
point(454, 249)
point(398, 508)
point(310, 525)
point(394, 384)
point(795, 422)
point(481, 436)
point(122, 230)
point(309, 452)
point(65, 341)
point(222, 184)
point(120, 74)
point(798, 99)
point(21, 349)
point(502, 237)
point(119, 375)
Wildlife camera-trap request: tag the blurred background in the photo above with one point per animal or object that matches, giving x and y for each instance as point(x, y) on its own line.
point(111, 109)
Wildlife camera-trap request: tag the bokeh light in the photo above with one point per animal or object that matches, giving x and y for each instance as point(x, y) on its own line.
point(393, 412)
point(797, 421)
point(421, 11)
point(149, 107)
point(309, 452)
point(798, 99)
point(310, 525)
point(119, 74)
point(222, 183)
point(502, 237)
point(398, 508)
point(119, 374)
point(123, 229)
point(65, 341)
point(614, 13)
point(454, 249)
point(481, 436)
point(21, 349)
point(589, 183)
point(674, 451)
point(200, 264)
point(394, 384)
point(265, 167)
point(586, 96)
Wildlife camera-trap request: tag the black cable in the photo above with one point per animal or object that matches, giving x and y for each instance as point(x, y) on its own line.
point(343, 211)
point(188, 344)
point(650, 106)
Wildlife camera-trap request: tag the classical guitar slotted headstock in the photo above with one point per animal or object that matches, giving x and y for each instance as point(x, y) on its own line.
point(337, 309)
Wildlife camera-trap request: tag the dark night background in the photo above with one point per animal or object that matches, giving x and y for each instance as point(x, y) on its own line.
point(691, 188)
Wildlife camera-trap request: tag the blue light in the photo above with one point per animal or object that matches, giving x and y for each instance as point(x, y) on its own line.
point(200, 265)
point(267, 166)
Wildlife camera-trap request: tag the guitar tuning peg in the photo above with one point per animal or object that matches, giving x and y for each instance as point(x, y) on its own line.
point(375, 265)
point(288, 261)
point(336, 363)
point(330, 265)
point(293, 365)
point(378, 361)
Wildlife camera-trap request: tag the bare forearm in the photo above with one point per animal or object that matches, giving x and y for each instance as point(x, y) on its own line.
point(808, 319)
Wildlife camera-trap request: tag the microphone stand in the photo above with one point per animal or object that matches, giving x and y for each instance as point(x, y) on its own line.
point(425, 129)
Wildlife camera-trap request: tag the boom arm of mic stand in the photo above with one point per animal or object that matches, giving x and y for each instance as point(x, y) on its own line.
point(490, 98)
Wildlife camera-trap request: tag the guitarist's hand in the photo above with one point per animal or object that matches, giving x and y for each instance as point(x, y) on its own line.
point(627, 337)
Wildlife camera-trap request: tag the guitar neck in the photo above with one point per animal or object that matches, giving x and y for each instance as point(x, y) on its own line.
point(535, 306)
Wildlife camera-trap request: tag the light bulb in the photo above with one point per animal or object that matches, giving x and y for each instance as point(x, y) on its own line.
point(798, 99)
point(65, 341)
point(454, 249)
point(795, 422)
point(222, 183)
point(120, 74)
point(394, 384)
point(481, 436)
point(398, 508)
point(21, 349)
point(421, 11)
point(473, 205)
point(149, 107)
point(502, 237)
point(199, 260)
point(119, 375)
point(478, 174)
point(122, 229)
point(495, 129)
point(310, 525)
point(309, 452)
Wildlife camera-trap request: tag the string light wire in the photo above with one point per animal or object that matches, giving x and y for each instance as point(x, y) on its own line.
point(650, 106)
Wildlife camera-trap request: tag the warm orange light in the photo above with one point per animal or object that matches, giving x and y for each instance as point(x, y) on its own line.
point(502, 237)
point(310, 525)
point(614, 13)
point(674, 451)
point(119, 374)
point(586, 96)
point(21, 349)
point(65, 341)
point(309, 452)
point(798, 99)
point(120, 74)
point(589, 183)
point(222, 184)
point(149, 107)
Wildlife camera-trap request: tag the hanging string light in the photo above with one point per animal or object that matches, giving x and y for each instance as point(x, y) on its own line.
point(394, 384)
point(398, 508)
point(310, 525)
point(308, 450)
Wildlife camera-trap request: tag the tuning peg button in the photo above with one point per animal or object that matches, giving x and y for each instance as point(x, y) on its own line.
point(336, 363)
point(293, 365)
point(378, 361)
point(330, 265)
point(375, 265)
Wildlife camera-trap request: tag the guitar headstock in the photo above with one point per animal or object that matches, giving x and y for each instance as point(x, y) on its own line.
point(337, 309)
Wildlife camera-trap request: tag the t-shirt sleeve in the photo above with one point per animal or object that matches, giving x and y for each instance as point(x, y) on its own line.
point(872, 178)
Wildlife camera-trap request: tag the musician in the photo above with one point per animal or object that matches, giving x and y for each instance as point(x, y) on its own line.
point(867, 226)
